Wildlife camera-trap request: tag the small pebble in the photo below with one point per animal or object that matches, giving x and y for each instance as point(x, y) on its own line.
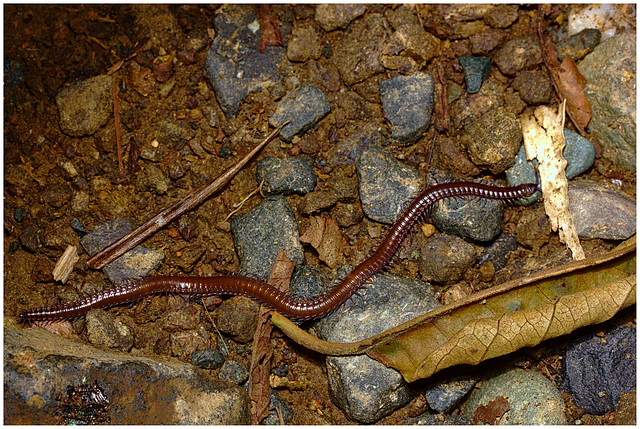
point(207, 359)
point(293, 174)
point(303, 110)
point(476, 70)
point(234, 372)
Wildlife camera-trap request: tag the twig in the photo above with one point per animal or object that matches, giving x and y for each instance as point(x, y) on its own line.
point(244, 200)
point(116, 115)
point(132, 239)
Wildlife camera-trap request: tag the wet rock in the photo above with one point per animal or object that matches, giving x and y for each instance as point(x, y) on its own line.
point(599, 369)
point(518, 54)
point(288, 175)
point(599, 212)
point(136, 263)
point(409, 48)
point(446, 258)
point(348, 150)
point(259, 234)
point(233, 371)
point(305, 109)
point(238, 318)
point(103, 329)
point(363, 388)
point(408, 102)
point(444, 395)
point(358, 55)
point(476, 219)
point(534, 87)
point(493, 140)
point(332, 16)
point(207, 359)
point(85, 106)
point(233, 65)
point(166, 391)
point(184, 343)
point(531, 398)
point(385, 185)
point(305, 43)
point(502, 16)
point(611, 90)
point(476, 70)
point(579, 45)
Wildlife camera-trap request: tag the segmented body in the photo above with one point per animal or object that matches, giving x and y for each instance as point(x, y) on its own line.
point(293, 307)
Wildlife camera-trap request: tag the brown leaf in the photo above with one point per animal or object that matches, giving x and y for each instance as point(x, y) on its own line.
point(324, 235)
point(262, 349)
point(269, 29)
point(571, 84)
point(499, 320)
point(491, 412)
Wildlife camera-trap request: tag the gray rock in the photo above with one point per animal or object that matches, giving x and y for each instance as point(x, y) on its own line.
point(39, 366)
point(599, 212)
point(85, 106)
point(492, 141)
point(136, 263)
point(408, 102)
point(498, 252)
point(279, 411)
point(234, 372)
point(476, 71)
point(597, 370)
point(476, 219)
point(532, 399)
point(331, 16)
point(518, 54)
point(308, 282)
point(363, 388)
point(259, 234)
point(308, 106)
point(348, 150)
point(233, 65)
point(444, 395)
point(288, 175)
point(385, 184)
point(207, 359)
point(610, 71)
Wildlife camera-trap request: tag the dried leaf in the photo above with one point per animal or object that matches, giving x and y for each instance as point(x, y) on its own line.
point(499, 320)
point(262, 349)
point(571, 84)
point(544, 140)
point(441, 114)
point(269, 29)
point(325, 236)
point(492, 412)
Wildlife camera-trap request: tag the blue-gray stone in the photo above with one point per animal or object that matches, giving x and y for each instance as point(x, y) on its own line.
point(578, 151)
point(599, 369)
point(385, 184)
point(304, 110)
point(259, 234)
point(408, 102)
point(288, 175)
point(476, 71)
point(444, 395)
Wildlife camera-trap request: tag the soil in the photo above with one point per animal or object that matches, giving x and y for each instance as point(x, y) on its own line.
point(61, 44)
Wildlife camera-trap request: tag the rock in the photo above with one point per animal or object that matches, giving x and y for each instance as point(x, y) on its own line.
point(233, 65)
point(485, 42)
point(308, 282)
point(476, 70)
point(103, 329)
point(317, 201)
point(238, 318)
point(154, 179)
point(599, 369)
point(14, 72)
point(610, 72)
point(408, 102)
point(363, 388)
point(502, 16)
point(279, 411)
point(471, 107)
point(579, 45)
point(85, 106)
point(259, 234)
point(305, 43)
point(448, 156)
point(332, 16)
point(446, 258)
point(207, 359)
point(476, 219)
point(444, 395)
point(534, 87)
point(234, 372)
point(498, 252)
point(385, 185)
point(348, 150)
point(136, 263)
point(288, 175)
point(530, 398)
point(493, 140)
point(599, 212)
point(166, 391)
point(358, 55)
point(608, 18)
point(304, 110)
point(409, 48)
point(518, 54)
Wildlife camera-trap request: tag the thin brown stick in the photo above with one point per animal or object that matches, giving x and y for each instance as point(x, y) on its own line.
point(132, 239)
point(116, 115)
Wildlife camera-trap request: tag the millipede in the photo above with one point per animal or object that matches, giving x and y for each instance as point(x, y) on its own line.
point(293, 307)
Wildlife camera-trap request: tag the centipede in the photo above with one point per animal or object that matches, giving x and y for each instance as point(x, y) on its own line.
point(296, 308)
